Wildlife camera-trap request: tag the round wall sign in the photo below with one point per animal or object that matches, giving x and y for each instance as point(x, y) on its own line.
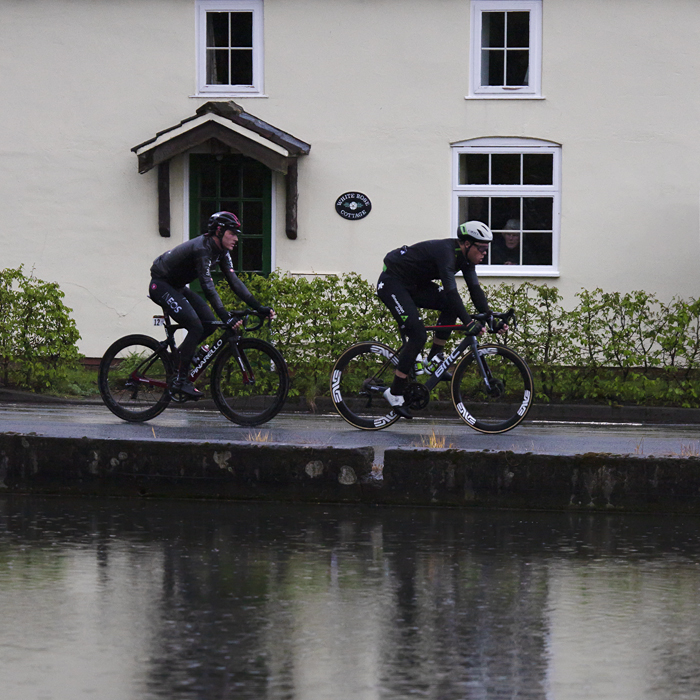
point(353, 205)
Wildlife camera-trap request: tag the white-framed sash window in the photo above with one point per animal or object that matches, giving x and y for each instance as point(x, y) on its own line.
point(514, 186)
point(506, 49)
point(229, 39)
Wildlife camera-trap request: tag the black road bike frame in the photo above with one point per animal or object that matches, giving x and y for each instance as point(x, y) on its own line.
point(467, 341)
point(231, 336)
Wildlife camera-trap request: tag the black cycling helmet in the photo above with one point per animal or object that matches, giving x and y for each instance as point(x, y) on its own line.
point(225, 219)
point(474, 232)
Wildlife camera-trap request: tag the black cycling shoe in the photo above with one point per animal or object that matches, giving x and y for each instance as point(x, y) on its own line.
point(182, 388)
point(397, 403)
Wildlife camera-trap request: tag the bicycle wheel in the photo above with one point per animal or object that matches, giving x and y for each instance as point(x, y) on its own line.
point(253, 390)
point(133, 378)
point(506, 404)
point(358, 380)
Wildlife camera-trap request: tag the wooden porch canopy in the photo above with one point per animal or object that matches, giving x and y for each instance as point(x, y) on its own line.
point(224, 127)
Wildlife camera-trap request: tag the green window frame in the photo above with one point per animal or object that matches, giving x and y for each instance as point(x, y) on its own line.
point(243, 186)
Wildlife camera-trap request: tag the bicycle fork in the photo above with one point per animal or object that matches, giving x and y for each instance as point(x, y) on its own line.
point(482, 365)
point(243, 363)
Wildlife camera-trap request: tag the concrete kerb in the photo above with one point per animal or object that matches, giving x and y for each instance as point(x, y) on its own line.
point(97, 467)
point(595, 481)
point(34, 464)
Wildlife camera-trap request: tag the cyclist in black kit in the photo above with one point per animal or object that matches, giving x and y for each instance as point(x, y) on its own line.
point(175, 269)
point(407, 284)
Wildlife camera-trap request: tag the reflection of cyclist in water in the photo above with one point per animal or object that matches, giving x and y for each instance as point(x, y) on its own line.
point(174, 270)
point(406, 284)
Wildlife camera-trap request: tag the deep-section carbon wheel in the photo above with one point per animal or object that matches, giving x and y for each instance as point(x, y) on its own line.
point(500, 407)
point(133, 378)
point(250, 387)
point(359, 379)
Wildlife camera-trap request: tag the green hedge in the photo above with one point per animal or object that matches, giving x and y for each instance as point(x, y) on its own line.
point(611, 348)
point(37, 335)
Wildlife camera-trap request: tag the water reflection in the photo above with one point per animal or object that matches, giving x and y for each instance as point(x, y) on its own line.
point(116, 599)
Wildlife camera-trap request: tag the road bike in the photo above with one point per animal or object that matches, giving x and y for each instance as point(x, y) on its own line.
point(249, 378)
point(491, 386)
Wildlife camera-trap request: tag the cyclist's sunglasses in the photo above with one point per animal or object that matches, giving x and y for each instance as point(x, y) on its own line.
point(481, 247)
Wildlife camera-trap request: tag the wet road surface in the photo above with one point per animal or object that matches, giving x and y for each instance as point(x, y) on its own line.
point(556, 438)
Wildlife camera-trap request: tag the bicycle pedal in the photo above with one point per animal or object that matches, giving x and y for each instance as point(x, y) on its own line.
point(178, 397)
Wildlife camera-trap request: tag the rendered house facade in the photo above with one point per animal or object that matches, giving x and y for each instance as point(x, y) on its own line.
point(570, 126)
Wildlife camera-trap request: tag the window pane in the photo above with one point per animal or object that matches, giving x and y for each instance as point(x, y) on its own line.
point(493, 29)
point(217, 67)
point(230, 180)
point(242, 29)
point(242, 67)
point(492, 67)
point(473, 169)
point(473, 209)
point(537, 213)
point(232, 206)
point(538, 169)
point(505, 213)
point(505, 169)
point(518, 29)
point(506, 249)
point(251, 254)
point(517, 69)
point(255, 176)
point(252, 218)
point(217, 29)
point(537, 249)
point(207, 183)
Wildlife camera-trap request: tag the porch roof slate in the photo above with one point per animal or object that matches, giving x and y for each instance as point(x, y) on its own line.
point(210, 121)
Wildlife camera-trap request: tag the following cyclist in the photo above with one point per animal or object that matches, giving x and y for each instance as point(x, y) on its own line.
point(406, 284)
point(175, 269)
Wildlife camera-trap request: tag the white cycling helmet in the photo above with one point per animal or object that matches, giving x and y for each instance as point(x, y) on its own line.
point(474, 231)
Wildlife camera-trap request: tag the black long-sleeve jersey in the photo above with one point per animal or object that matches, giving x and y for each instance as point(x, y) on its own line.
point(193, 260)
point(419, 264)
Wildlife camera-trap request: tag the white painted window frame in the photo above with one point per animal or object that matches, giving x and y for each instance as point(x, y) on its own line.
point(531, 91)
point(201, 9)
point(511, 145)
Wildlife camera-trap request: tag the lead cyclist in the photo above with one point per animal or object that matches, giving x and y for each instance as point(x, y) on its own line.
point(407, 283)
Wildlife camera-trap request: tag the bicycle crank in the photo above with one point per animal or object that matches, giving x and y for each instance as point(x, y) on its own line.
point(416, 396)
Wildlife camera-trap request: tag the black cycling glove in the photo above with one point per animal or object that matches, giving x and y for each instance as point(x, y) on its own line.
point(264, 310)
point(473, 327)
point(232, 318)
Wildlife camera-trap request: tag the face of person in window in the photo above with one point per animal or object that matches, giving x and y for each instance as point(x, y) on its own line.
point(511, 239)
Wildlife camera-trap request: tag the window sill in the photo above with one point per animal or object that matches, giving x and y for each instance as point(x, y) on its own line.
point(505, 96)
point(490, 271)
point(226, 95)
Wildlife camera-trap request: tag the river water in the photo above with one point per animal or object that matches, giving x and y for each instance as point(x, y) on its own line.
point(116, 599)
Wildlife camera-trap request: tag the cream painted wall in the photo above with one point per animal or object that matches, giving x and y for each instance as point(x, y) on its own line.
point(377, 87)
